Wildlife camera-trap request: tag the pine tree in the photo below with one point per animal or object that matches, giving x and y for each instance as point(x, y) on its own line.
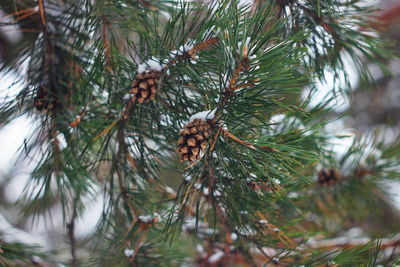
point(194, 121)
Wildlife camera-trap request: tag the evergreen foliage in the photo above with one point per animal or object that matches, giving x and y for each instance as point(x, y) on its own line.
point(252, 198)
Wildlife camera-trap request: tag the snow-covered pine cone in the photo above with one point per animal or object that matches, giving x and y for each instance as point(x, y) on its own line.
point(193, 139)
point(328, 177)
point(144, 87)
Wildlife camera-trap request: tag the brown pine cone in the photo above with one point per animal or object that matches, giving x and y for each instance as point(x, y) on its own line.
point(144, 87)
point(193, 139)
point(329, 177)
point(44, 101)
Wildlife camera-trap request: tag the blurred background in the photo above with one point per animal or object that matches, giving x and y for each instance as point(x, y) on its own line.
point(365, 110)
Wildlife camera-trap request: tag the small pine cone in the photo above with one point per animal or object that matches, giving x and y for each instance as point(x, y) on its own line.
point(44, 101)
point(144, 87)
point(329, 177)
point(193, 139)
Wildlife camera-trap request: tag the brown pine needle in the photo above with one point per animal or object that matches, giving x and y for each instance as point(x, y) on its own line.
point(227, 134)
point(41, 10)
point(24, 16)
point(23, 11)
point(106, 130)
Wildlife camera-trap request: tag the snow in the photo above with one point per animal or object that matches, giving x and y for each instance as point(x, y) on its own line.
point(149, 65)
point(190, 224)
point(270, 252)
point(188, 178)
point(199, 248)
point(10, 29)
point(217, 193)
point(37, 260)
point(206, 191)
point(149, 218)
point(128, 252)
point(246, 231)
point(234, 236)
point(182, 49)
point(86, 223)
point(293, 195)
point(11, 234)
point(169, 190)
point(197, 186)
point(245, 2)
point(204, 115)
point(276, 181)
point(127, 97)
point(145, 218)
point(15, 187)
point(12, 137)
point(61, 140)
point(216, 257)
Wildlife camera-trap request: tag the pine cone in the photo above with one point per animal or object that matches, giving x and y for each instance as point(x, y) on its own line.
point(329, 177)
point(44, 101)
point(193, 139)
point(144, 87)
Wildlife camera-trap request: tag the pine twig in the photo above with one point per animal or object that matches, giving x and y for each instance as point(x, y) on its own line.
point(192, 52)
point(232, 86)
point(125, 193)
point(71, 234)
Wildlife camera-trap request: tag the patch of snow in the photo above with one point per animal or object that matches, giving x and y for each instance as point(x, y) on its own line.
point(293, 195)
point(10, 29)
point(128, 252)
point(199, 248)
point(204, 115)
point(217, 193)
point(127, 97)
point(148, 218)
point(15, 187)
point(234, 236)
point(37, 260)
point(169, 190)
point(246, 231)
point(11, 234)
point(276, 181)
point(206, 191)
point(216, 257)
point(190, 224)
point(189, 45)
point(61, 140)
point(149, 65)
point(188, 178)
point(86, 223)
